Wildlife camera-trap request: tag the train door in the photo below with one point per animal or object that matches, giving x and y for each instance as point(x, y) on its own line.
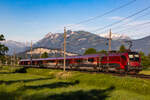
point(124, 62)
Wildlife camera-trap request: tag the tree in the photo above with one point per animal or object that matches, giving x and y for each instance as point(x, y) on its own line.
point(122, 48)
point(90, 51)
point(3, 49)
point(44, 55)
point(102, 51)
point(142, 53)
point(145, 60)
point(149, 56)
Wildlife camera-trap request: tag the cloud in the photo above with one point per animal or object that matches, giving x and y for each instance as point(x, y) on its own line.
point(115, 18)
point(129, 21)
point(119, 18)
point(137, 23)
point(132, 27)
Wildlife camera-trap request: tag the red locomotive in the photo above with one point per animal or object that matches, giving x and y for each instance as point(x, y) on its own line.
point(117, 62)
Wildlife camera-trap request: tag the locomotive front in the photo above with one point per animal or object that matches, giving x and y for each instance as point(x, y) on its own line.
point(134, 62)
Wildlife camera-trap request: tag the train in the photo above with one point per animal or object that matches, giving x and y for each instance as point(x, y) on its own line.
point(127, 62)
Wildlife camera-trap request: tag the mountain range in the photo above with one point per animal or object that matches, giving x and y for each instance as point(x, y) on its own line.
point(79, 41)
point(14, 46)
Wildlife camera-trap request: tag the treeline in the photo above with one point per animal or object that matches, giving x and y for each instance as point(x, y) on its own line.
point(3, 50)
point(6, 59)
point(94, 51)
point(145, 59)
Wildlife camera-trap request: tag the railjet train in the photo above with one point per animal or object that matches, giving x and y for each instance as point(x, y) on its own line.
point(113, 61)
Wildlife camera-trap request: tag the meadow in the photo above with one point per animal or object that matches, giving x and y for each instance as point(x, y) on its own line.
point(146, 71)
point(46, 84)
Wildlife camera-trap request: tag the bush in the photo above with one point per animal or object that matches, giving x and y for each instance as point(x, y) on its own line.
point(21, 70)
point(90, 51)
point(122, 48)
point(13, 69)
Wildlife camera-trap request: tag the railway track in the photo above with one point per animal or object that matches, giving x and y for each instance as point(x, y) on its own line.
point(143, 76)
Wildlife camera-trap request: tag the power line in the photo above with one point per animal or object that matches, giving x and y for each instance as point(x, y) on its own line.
point(108, 12)
point(130, 21)
point(136, 34)
point(133, 26)
point(141, 29)
point(122, 19)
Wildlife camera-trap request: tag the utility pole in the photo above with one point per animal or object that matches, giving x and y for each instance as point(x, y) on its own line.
point(31, 52)
point(110, 40)
point(14, 57)
point(26, 51)
point(109, 49)
point(11, 63)
point(40, 53)
point(6, 56)
point(6, 60)
point(64, 48)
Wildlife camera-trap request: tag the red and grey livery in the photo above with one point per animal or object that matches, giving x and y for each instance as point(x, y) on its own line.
point(117, 62)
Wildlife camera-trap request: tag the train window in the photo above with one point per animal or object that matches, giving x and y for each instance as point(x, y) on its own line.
point(51, 61)
point(91, 59)
point(79, 60)
point(68, 61)
point(136, 57)
point(60, 61)
point(130, 56)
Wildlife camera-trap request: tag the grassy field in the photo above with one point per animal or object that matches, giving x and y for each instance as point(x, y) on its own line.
point(146, 71)
point(46, 84)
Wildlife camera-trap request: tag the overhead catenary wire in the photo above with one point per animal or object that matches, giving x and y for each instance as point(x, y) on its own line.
point(99, 16)
point(110, 25)
point(128, 22)
point(140, 29)
point(144, 34)
point(133, 26)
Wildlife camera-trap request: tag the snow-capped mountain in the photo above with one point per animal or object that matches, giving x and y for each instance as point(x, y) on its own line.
point(79, 41)
point(51, 35)
point(76, 41)
point(116, 36)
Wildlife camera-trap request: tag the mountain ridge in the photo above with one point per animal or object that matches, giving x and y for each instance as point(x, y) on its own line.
point(79, 41)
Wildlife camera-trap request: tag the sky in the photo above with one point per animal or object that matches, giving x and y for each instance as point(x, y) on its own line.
point(26, 20)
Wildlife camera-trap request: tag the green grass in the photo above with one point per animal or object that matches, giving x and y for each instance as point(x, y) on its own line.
point(46, 84)
point(146, 72)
